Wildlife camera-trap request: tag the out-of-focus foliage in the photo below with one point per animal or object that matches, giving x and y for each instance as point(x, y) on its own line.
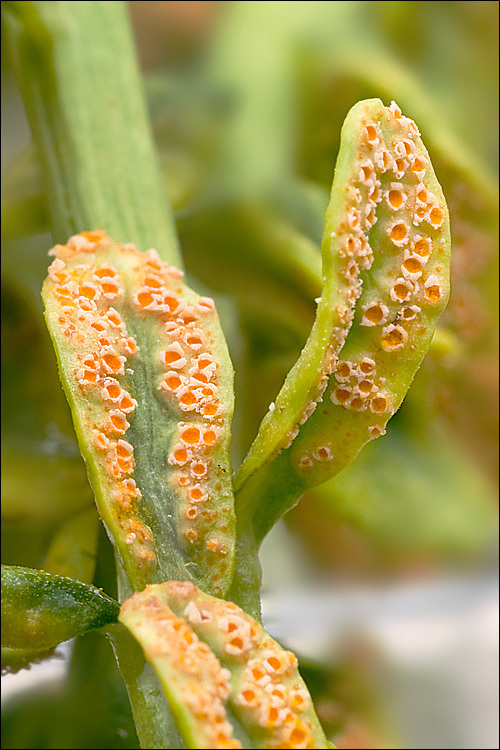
point(247, 100)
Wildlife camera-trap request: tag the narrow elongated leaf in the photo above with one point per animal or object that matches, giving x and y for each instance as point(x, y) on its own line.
point(149, 382)
point(40, 610)
point(228, 682)
point(386, 267)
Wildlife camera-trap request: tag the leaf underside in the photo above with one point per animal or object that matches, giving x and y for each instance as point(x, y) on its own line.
point(229, 684)
point(386, 251)
point(148, 378)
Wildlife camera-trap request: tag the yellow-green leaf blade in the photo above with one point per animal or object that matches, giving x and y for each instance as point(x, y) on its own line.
point(386, 281)
point(217, 664)
point(149, 382)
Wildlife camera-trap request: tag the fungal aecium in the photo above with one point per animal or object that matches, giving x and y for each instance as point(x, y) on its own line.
point(219, 668)
point(149, 380)
point(402, 292)
point(386, 256)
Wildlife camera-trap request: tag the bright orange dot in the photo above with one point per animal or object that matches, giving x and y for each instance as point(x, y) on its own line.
point(90, 376)
point(199, 469)
point(144, 299)
point(191, 435)
point(210, 410)
point(400, 165)
point(95, 236)
point(88, 291)
point(101, 441)
point(126, 464)
point(394, 338)
point(188, 399)
point(60, 292)
point(171, 302)
point(272, 717)
point(401, 291)
point(123, 449)
point(433, 293)
point(172, 382)
point(209, 437)
point(196, 494)
point(110, 287)
point(367, 173)
point(114, 318)
point(297, 736)
point(257, 673)
point(181, 455)
point(418, 165)
point(398, 232)
point(105, 272)
point(119, 422)
point(113, 362)
point(113, 390)
point(204, 362)
point(395, 198)
point(194, 341)
point(130, 345)
point(436, 217)
point(152, 282)
point(412, 265)
point(170, 357)
point(422, 247)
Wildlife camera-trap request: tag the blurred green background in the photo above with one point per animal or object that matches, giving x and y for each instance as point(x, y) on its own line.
point(247, 100)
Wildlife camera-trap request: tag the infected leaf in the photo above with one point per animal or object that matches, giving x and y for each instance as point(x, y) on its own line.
point(224, 676)
point(385, 268)
point(148, 378)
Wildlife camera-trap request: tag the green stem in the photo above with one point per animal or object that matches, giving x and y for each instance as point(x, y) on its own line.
point(80, 82)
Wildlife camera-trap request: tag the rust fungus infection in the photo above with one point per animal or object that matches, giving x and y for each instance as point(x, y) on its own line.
point(266, 693)
point(110, 305)
point(391, 241)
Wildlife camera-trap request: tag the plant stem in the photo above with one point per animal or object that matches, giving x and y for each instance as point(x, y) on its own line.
point(80, 82)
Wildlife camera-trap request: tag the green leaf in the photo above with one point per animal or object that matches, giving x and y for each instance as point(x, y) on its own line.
point(149, 381)
point(40, 610)
point(386, 251)
point(385, 266)
point(229, 684)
